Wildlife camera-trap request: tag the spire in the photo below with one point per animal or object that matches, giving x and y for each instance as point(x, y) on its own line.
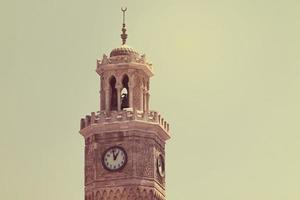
point(124, 35)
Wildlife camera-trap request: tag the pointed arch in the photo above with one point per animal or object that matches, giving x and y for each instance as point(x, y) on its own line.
point(113, 93)
point(125, 92)
point(98, 195)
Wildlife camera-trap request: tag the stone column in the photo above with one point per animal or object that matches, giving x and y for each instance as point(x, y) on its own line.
point(130, 96)
point(141, 98)
point(119, 88)
point(147, 104)
point(131, 84)
point(107, 101)
point(100, 101)
point(148, 96)
point(144, 99)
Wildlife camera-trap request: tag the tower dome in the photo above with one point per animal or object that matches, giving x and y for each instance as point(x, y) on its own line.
point(123, 50)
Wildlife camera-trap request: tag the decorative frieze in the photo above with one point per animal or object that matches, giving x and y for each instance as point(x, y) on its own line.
point(123, 59)
point(125, 193)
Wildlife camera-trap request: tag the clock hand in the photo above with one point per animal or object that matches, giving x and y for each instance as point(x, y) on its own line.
point(116, 155)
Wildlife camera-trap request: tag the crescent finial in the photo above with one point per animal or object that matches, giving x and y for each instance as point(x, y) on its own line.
point(124, 35)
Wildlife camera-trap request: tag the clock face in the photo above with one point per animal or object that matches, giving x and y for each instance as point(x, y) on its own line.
point(161, 166)
point(114, 158)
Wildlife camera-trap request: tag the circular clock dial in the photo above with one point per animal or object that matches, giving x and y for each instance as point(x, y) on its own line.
point(114, 158)
point(161, 165)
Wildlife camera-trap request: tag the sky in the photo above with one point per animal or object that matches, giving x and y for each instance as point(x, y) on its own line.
point(226, 79)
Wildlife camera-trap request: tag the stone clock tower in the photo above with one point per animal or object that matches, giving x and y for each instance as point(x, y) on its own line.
point(125, 140)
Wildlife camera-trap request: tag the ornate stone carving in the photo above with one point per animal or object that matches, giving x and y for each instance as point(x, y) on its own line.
point(123, 59)
point(127, 115)
point(137, 93)
point(97, 196)
point(128, 193)
point(118, 74)
point(145, 158)
point(105, 59)
point(142, 59)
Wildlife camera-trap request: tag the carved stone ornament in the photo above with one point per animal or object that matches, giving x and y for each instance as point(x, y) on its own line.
point(126, 193)
point(142, 59)
point(145, 167)
point(105, 59)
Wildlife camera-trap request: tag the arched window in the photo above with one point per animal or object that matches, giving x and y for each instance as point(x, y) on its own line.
point(98, 195)
point(125, 93)
point(113, 97)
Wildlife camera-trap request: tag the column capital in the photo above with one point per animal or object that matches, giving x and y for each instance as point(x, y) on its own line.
point(119, 86)
point(130, 84)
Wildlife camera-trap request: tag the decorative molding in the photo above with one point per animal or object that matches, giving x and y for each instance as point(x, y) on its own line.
point(124, 115)
point(125, 193)
point(123, 59)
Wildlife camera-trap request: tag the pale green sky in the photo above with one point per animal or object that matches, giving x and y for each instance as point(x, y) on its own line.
point(226, 78)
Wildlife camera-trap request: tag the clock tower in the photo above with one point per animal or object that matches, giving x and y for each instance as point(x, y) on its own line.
point(124, 141)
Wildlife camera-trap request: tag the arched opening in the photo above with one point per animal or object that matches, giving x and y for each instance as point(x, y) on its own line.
point(125, 93)
point(113, 97)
